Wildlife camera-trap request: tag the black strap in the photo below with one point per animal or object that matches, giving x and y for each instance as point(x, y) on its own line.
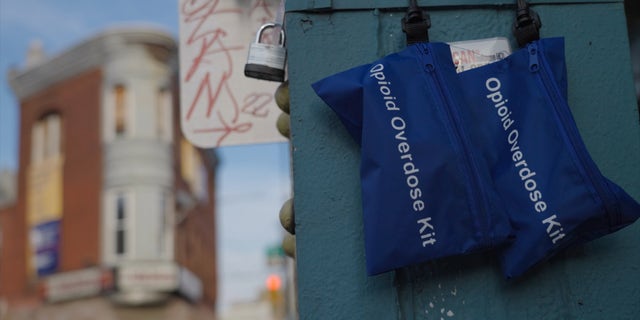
point(527, 26)
point(416, 24)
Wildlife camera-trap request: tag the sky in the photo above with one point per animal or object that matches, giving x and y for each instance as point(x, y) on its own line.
point(245, 228)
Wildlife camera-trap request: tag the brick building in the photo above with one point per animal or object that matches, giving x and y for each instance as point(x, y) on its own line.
point(112, 205)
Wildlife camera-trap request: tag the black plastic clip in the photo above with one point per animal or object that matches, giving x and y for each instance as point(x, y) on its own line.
point(527, 26)
point(416, 24)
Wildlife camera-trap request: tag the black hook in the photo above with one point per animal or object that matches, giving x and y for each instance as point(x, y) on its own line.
point(527, 26)
point(416, 24)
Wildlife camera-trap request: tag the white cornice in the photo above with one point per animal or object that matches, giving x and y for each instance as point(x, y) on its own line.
point(89, 54)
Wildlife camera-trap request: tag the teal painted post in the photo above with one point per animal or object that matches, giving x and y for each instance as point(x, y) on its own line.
point(600, 280)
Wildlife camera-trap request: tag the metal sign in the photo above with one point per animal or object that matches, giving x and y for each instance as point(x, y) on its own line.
point(190, 285)
point(219, 106)
point(148, 276)
point(45, 240)
point(75, 284)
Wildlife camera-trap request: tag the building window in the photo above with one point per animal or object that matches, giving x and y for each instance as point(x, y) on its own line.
point(165, 226)
point(44, 195)
point(37, 143)
point(187, 161)
point(120, 226)
point(52, 137)
point(120, 109)
point(201, 184)
point(163, 114)
point(193, 171)
point(162, 225)
point(46, 139)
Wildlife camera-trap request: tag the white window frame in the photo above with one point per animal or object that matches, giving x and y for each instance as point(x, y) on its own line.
point(109, 112)
point(46, 138)
point(37, 142)
point(53, 135)
point(166, 225)
point(164, 114)
point(120, 225)
point(110, 225)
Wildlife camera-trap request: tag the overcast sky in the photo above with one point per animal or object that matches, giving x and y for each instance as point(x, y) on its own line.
point(256, 173)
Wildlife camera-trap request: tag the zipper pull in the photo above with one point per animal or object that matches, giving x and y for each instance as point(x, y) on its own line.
point(427, 57)
point(534, 65)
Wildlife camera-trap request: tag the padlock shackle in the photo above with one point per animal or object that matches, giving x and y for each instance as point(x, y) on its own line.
point(270, 25)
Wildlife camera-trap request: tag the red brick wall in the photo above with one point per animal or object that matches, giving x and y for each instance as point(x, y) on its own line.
point(80, 99)
point(195, 241)
point(77, 100)
point(10, 250)
point(195, 250)
point(195, 237)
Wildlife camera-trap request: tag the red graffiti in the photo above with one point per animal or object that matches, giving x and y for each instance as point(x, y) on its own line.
point(205, 51)
point(201, 11)
point(226, 129)
point(211, 70)
point(256, 104)
point(263, 5)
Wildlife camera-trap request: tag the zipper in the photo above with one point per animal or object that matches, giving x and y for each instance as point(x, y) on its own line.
point(479, 209)
point(570, 134)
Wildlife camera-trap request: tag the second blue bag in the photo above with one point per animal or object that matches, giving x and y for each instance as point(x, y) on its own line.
point(517, 111)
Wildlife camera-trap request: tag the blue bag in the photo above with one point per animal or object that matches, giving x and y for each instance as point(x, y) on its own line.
point(499, 137)
point(425, 192)
point(555, 195)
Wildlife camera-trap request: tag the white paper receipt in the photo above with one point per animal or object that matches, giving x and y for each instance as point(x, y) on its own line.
point(476, 53)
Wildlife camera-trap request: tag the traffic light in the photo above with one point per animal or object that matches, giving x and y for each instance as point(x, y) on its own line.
point(273, 283)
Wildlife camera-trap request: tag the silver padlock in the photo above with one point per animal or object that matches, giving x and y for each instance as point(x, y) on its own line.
point(266, 61)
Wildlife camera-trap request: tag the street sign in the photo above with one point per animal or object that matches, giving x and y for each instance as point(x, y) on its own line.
point(219, 106)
